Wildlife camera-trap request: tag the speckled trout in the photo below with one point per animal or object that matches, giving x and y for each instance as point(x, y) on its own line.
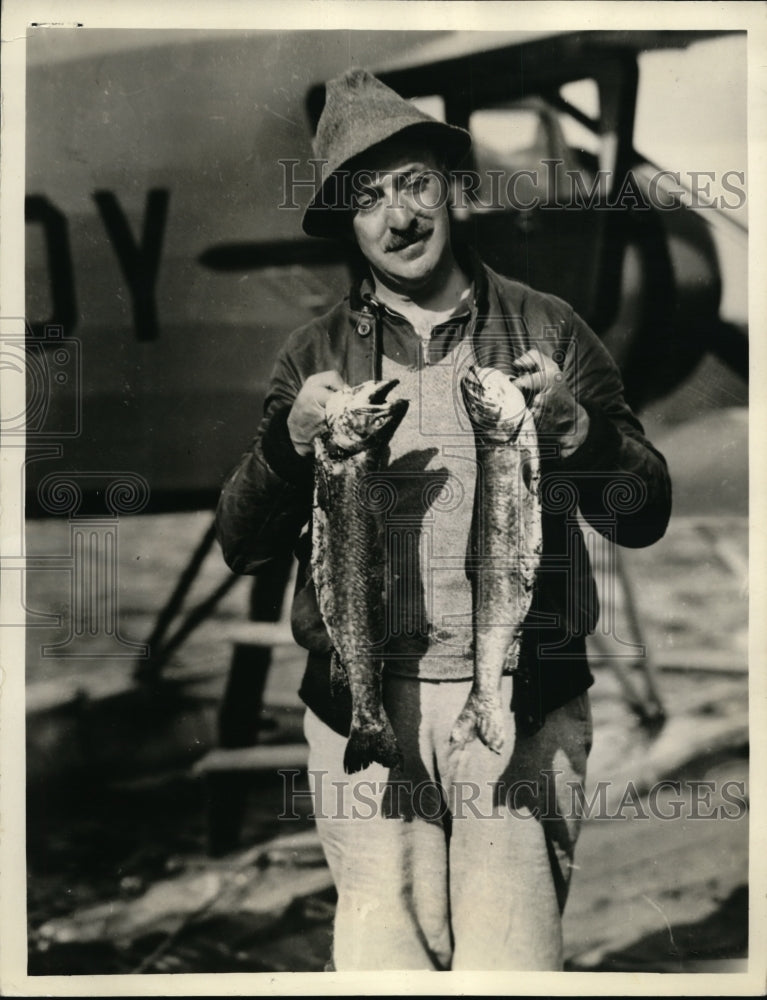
point(348, 558)
point(507, 544)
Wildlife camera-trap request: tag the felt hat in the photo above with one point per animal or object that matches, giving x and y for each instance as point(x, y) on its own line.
point(360, 112)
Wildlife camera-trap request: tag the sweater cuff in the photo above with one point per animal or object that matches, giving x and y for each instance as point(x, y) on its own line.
point(599, 451)
point(280, 453)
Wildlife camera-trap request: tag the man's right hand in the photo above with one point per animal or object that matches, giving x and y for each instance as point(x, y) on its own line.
point(307, 415)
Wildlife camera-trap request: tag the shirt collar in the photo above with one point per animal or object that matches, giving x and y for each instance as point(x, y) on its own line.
point(465, 308)
point(362, 294)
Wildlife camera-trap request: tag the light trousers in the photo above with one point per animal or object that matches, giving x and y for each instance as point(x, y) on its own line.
point(462, 859)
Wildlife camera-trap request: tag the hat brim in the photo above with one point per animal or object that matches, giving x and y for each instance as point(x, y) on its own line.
point(327, 214)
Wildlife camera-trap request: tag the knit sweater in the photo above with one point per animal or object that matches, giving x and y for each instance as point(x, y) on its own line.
point(431, 472)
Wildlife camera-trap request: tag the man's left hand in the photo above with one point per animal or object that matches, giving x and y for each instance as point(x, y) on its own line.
point(558, 416)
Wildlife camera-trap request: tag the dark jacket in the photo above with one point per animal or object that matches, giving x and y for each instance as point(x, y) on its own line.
point(616, 479)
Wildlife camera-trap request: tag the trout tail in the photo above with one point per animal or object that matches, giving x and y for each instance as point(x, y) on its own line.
point(482, 718)
point(372, 744)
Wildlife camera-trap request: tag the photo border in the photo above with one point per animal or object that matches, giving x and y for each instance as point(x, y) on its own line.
point(418, 15)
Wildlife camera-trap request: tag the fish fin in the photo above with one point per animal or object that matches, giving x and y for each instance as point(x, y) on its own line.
point(367, 746)
point(339, 680)
point(479, 718)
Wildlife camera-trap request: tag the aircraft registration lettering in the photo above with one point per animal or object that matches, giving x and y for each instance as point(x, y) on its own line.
point(139, 260)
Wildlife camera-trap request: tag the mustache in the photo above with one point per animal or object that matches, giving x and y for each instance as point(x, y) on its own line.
point(399, 241)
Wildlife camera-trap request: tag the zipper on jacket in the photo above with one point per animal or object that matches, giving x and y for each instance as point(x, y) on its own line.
point(370, 325)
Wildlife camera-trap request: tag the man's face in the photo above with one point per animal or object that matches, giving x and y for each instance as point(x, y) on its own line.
point(400, 218)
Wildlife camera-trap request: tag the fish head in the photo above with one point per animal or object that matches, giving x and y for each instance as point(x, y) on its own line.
point(361, 418)
point(494, 404)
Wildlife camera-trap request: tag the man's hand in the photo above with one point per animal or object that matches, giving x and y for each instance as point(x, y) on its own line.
point(307, 415)
point(557, 414)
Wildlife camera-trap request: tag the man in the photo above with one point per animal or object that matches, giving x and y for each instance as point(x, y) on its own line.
point(458, 860)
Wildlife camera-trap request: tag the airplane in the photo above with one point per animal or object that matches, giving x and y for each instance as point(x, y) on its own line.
point(161, 248)
point(165, 261)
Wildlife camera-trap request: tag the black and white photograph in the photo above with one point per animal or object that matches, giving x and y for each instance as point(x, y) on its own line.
point(380, 474)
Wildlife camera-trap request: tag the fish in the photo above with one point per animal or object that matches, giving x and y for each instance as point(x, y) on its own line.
point(348, 558)
point(507, 545)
